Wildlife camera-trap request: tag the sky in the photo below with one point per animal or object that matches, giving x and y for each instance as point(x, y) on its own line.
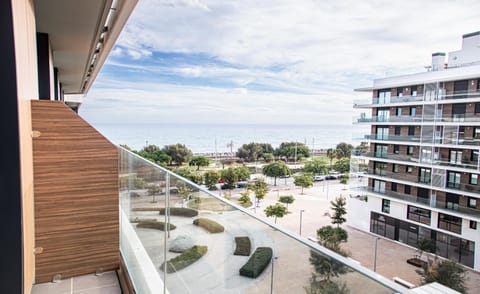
point(267, 61)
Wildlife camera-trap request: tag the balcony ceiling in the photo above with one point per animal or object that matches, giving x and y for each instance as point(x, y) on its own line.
point(74, 28)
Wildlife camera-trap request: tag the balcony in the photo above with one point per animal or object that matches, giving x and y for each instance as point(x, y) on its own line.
point(383, 101)
point(409, 159)
point(392, 194)
point(427, 119)
point(407, 177)
point(153, 195)
point(396, 138)
point(463, 187)
point(460, 95)
point(449, 207)
point(452, 140)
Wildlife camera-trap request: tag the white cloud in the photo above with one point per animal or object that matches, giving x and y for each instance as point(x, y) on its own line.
point(313, 53)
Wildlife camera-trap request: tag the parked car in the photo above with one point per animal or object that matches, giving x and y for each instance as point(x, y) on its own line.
point(242, 184)
point(318, 178)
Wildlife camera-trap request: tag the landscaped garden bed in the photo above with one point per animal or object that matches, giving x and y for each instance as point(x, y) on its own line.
point(209, 225)
point(185, 259)
point(416, 262)
point(180, 211)
point(243, 246)
point(153, 224)
point(257, 262)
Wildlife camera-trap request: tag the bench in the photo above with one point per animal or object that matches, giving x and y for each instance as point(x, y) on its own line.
point(403, 283)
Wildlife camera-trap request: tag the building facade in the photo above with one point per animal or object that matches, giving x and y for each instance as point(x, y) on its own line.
point(419, 177)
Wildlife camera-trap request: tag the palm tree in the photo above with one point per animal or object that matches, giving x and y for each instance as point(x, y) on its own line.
point(331, 154)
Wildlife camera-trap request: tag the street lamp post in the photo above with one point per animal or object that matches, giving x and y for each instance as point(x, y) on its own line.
point(271, 279)
point(375, 257)
point(301, 213)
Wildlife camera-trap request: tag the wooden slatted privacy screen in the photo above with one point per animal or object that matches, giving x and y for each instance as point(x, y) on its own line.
point(75, 194)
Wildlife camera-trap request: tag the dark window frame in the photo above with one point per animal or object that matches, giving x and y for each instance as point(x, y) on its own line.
point(450, 223)
point(386, 206)
point(418, 214)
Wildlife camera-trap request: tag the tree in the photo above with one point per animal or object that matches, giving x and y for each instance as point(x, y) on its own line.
point(331, 154)
point(344, 150)
point(276, 210)
point(178, 152)
point(211, 179)
point(189, 174)
point(339, 210)
point(154, 154)
point(268, 157)
point(259, 188)
point(286, 200)
point(447, 272)
point(303, 181)
point(230, 177)
point(184, 190)
point(253, 151)
point(325, 266)
point(276, 169)
point(292, 150)
point(344, 179)
point(342, 165)
point(245, 197)
point(199, 161)
point(243, 173)
point(152, 190)
point(316, 166)
point(425, 244)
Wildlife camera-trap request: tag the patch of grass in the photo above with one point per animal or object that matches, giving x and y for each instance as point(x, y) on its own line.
point(243, 246)
point(149, 224)
point(209, 225)
point(180, 211)
point(210, 204)
point(257, 262)
point(185, 259)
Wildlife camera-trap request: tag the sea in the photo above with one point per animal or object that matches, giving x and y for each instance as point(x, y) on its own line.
point(224, 138)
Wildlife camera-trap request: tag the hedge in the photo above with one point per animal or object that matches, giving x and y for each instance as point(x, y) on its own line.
point(243, 246)
point(137, 219)
point(149, 224)
point(257, 262)
point(180, 211)
point(209, 225)
point(176, 211)
point(185, 259)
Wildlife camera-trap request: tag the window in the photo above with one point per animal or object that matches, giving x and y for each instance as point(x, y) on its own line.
point(395, 168)
point(400, 92)
point(452, 201)
point(399, 111)
point(455, 157)
point(386, 205)
point(425, 175)
point(380, 168)
point(379, 186)
point(458, 112)
point(418, 214)
point(411, 130)
point(409, 169)
point(413, 111)
point(384, 96)
point(382, 133)
point(383, 114)
point(407, 189)
point(477, 107)
point(473, 179)
point(476, 133)
point(450, 223)
point(473, 225)
point(397, 131)
point(460, 88)
point(472, 202)
point(453, 180)
point(474, 156)
point(381, 151)
point(396, 149)
point(394, 187)
point(414, 90)
point(410, 150)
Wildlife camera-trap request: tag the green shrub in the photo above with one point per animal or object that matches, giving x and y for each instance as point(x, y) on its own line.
point(257, 262)
point(185, 259)
point(137, 219)
point(209, 225)
point(180, 211)
point(149, 224)
point(146, 209)
point(243, 246)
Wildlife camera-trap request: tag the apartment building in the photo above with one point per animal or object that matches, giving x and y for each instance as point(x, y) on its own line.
point(419, 178)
